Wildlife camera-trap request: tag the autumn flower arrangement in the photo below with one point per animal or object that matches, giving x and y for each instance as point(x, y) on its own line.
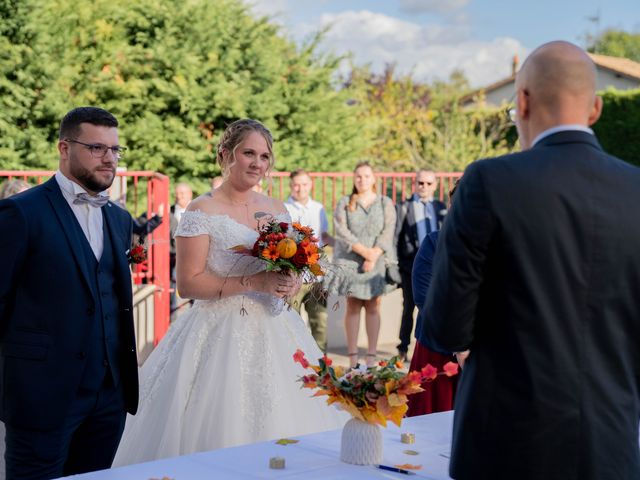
point(372, 394)
point(286, 247)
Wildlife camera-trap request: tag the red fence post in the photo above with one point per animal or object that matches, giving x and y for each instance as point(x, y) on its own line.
point(159, 195)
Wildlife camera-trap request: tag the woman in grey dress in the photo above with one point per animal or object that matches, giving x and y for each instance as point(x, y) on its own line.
point(364, 227)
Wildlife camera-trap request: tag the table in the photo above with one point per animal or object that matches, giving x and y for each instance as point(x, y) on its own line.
point(316, 456)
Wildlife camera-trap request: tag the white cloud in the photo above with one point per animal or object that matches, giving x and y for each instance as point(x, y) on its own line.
point(436, 6)
point(274, 9)
point(428, 52)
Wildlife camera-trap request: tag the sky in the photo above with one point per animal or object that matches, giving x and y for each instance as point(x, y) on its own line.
point(429, 39)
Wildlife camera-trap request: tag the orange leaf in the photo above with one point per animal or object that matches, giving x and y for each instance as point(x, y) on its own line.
point(408, 466)
point(241, 249)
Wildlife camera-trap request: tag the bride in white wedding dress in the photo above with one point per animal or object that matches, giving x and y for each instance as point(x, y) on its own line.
point(224, 374)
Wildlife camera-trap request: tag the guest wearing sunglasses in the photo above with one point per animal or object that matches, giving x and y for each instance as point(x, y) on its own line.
point(417, 216)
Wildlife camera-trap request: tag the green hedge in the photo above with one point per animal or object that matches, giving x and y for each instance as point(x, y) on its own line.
point(618, 129)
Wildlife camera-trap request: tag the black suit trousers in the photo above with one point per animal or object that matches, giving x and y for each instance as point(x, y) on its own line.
point(408, 306)
point(87, 441)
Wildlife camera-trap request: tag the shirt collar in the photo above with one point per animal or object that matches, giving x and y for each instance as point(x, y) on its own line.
point(560, 128)
point(416, 198)
point(292, 201)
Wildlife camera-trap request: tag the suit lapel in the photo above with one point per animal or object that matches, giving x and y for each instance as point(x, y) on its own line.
point(411, 221)
point(70, 228)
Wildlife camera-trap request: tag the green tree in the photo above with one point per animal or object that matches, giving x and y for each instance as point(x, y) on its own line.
point(424, 126)
point(617, 129)
point(175, 74)
point(617, 44)
point(19, 86)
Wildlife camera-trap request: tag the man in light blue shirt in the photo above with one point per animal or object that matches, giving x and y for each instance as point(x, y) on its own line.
point(306, 211)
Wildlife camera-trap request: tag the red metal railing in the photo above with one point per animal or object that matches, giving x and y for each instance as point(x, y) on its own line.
point(136, 190)
point(156, 193)
point(328, 187)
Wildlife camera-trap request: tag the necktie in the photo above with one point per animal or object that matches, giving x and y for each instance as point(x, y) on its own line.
point(96, 201)
point(427, 217)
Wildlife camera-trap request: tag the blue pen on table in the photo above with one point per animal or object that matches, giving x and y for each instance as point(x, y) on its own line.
point(395, 469)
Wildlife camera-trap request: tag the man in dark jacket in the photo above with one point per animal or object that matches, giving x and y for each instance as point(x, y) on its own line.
point(536, 272)
point(416, 217)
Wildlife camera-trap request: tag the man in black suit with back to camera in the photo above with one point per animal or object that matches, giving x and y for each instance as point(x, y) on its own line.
point(68, 360)
point(536, 273)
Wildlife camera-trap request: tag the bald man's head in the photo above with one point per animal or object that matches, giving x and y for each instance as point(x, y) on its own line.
point(556, 85)
point(558, 70)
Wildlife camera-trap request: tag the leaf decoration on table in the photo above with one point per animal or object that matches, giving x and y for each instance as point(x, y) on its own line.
point(408, 466)
point(286, 441)
point(411, 452)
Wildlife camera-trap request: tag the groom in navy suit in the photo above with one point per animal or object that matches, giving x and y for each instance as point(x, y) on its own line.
point(68, 368)
point(536, 272)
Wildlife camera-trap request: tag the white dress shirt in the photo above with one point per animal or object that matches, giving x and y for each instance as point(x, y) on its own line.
point(178, 211)
point(89, 217)
point(311, 214)
point(561, 128)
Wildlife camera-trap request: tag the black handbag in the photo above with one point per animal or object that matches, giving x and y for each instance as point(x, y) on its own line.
point(392, 273)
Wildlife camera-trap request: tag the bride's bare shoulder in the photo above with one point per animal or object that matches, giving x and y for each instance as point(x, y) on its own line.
point(205, 203)
point(273, 205)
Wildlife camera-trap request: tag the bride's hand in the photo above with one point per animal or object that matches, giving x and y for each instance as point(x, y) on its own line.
point(276, 283)
point(298, 284)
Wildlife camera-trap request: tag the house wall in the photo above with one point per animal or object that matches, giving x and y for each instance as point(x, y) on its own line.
point(607, 78)
point(501, 95)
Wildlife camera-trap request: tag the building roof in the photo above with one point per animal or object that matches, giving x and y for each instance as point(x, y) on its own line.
point(619, 65)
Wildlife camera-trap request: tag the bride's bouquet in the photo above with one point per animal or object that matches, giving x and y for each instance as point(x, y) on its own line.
point(370, 394)
point(287, 247)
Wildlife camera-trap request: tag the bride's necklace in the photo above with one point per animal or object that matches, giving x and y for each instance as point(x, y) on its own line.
point(242, 203)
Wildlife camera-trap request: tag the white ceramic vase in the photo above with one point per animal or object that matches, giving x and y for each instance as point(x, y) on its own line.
point(361, 443)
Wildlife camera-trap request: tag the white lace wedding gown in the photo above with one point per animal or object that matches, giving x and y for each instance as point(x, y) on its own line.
point(224, 374)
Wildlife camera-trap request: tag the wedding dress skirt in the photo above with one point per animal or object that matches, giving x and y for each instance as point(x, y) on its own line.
point(224, 374)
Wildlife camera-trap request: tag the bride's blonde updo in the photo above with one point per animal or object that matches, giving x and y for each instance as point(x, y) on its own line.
point(234, 135)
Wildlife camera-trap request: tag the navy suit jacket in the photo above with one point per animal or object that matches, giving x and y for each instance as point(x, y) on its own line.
point(421, 277)
point(45, 300)
point(537, 271)
point(406, 233)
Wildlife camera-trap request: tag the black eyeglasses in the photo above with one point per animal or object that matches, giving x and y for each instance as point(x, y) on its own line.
point(98, 150)
point(422, 184)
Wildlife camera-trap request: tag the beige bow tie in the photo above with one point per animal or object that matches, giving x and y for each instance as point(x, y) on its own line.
point(95, 201)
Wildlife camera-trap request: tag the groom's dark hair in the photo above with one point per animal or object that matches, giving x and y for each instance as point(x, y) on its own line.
point(70, 124)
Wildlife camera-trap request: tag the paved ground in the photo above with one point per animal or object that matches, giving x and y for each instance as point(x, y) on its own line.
point(387, 350)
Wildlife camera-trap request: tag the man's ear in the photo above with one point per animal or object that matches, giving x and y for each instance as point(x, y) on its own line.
point(522, 104)
point(596, 110)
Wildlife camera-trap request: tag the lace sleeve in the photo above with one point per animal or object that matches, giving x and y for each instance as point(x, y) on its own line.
point(192, 224)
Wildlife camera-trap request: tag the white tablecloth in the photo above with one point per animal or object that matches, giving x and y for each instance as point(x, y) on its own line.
point(316, 456)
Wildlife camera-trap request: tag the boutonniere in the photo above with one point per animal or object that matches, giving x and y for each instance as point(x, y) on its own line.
point(137, 254)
